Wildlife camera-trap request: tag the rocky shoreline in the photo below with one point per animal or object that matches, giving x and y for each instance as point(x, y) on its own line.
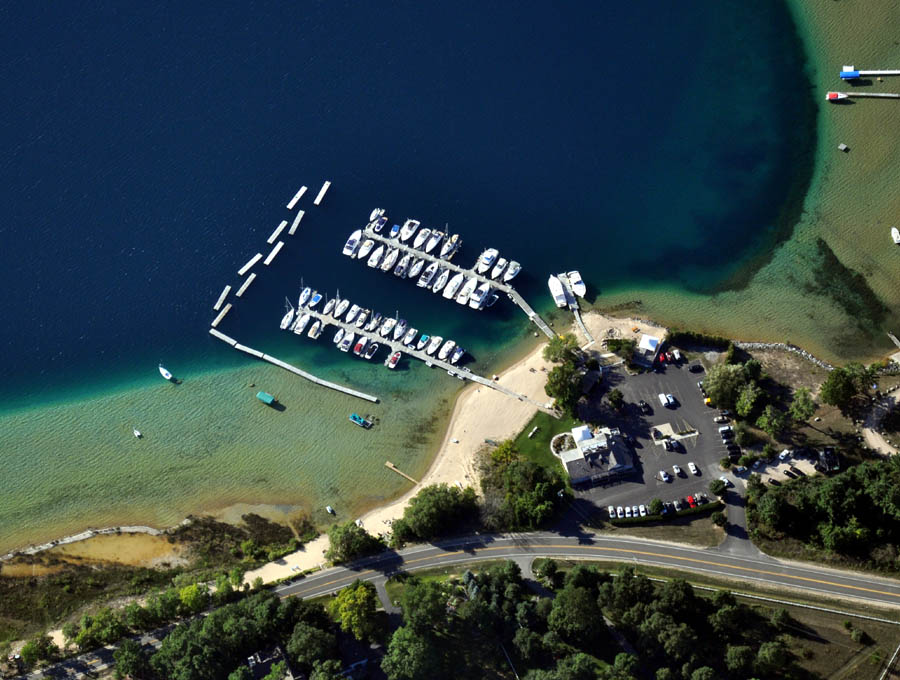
point(787, 348)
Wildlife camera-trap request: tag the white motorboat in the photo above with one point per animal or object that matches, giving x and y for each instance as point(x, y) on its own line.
point(136, 432)
point(895, 234)
point(301, 324)
point(338, 336)
point(315, 330)
point(836, 96)
point(395, 231)
point(421, 238)
point(375, 214)
point(512, 270)
point(499, 268)
point(415, 268)
point(410, 336)
point(399, 329)
point(365, 248)
point(347, 342)
point(352, 244)
point(379, 224)
point(315, 299)
point(304, 296)
point(360, 345)
point(556, 290)
point(409, 228)
point(479, 296)
point(451, 245)
point(435, 238)
point(374, 322)
point(426, 278)
point(351, 315)
point(486, 260)
point(392, 361)
point(446, 349)
point(375, 257)
point(371, 349)
point(466, 291)
point(453, 286)
point(341, 308)
point(387, 326)
point(457, 355)
point(287, 318)
point(577, 283)
point(422, 342)
point(491, 300)
point(433, 345)
point(390, 259)
point(440, 280)
point(329, 306)
point(361, 318)
point(402, 266)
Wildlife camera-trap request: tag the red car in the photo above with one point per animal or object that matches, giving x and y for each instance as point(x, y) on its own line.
point(690, 501)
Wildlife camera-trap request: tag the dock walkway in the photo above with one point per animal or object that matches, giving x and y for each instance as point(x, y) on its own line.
point(575, 308)
point(881, 95)
point(496, 285)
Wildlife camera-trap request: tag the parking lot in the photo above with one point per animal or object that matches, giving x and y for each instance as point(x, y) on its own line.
point(705, 449)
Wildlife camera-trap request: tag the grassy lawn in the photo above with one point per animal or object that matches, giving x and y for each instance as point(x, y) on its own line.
point(537, 448)
point(397, 583)
point(699, 531)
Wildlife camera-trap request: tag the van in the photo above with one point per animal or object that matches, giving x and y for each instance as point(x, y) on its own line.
point(662, 399)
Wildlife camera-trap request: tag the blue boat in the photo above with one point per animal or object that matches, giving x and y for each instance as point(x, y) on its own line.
point(359, 420)
point(395, 230)
point(265, 398)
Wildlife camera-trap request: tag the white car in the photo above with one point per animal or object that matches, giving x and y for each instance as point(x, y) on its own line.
point(727, 481)
point(627, 511)
point(643, 510)
point(693, 468)
point(612, 512)
point(663, 475)
point(620, 512)
point(676, 470)
point(634, 511)
point(671, 400)
point(784, 455)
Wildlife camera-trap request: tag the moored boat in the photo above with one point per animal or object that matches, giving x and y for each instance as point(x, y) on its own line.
point(360, 345)
point(451, 245)
point(357, 419)
point(421, 238)
point(371, 349)
point(453, 285)
point(390, 259)
point(304, 296)
point(379, 224)
point(577, 283)
point(433, 241)
point(374, 322)
point(375, 257)
point(402, 266)
point(440, 280)
point(365, 249)
point(287, 318)
point(315, 330)
point(466, 291)
point(428, 275)
point(399, 329)
point(347, 342)
point(136, 432)
point(315, 299)
point(433, 345)
point(457, 355)
point(835, 96)
point(338, 336)
point(266, 398)
point(300, 326)
point(409, 228)
point(387, 326)
point(422, 341)
point(352, 244)
point(479, 296)
point(415, 268)
point(392, 361)
point(375, 214)
point(445, 350)
point(410, 336)
point(361, 318)
point(512, 270)
point(486, 260)
point(499, 268)
point(395, 231)
point(556, 290)
point(351, 315)
point(341, 308)
point(329, 306)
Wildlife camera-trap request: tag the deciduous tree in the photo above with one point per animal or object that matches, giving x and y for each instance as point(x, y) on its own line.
point(802, 407)
point(561, 348)
point(772, 421)
point(348, 542)
point(723, 384)
point(354, 608)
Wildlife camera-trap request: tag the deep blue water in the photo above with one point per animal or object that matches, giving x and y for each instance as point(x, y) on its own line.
point(147, 150)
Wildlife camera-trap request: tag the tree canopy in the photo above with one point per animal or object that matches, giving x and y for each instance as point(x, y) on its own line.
point(564, 385)
point(439, 509)
point(561, 348)
point(802, 406)
point(844, 384)
point(723, 384)
point(354, 609)
point(348, 542)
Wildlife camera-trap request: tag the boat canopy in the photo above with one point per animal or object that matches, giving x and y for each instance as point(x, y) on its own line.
point(265, 397)
point(849, 75)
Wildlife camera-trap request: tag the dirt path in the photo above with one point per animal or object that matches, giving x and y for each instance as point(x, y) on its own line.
point(874, 439)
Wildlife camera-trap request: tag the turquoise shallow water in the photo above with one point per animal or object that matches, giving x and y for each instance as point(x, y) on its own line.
point(152, 151)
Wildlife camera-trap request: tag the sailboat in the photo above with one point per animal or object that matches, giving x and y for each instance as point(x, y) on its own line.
point(288, 316)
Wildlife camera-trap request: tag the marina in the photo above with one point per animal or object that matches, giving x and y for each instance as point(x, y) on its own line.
point(221, 315)
point(277, 232)
point(322, 192)
point(252, 261)
point(222, 297)
point(271, 255)
point(295, 223)
point(246, 284)
point(297, 197)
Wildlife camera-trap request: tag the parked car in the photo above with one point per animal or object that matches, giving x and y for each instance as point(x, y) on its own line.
point(620, 512)
point(670, 400)
point(643, 510)
point(668, 508)
point(784, 455)
point(627, 511)
point(720, 419)
point(676, 445)
point(645, 407)
point(701, 498)
point(728, 482)
point(678, 505)
point(612, 512)
point(739, 470)
point(667, 444)
point(664, 476)
point(634, 511)
point(725, 412)
point(691, 502)
point(676, 470)
point(694, 469)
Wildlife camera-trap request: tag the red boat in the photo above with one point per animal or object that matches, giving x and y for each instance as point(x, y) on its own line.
point(835, 96)
point(393, 360)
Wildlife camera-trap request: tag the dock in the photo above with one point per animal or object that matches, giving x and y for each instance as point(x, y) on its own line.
point(852, 73)
point(574, 307)
point(396, 345)
point(271, 255)
point(221, 315)
point(293, 369)
point(322, 192)
point(252, 261)
point(246, 284)
point(221, 299)
point(277, 231)
point(879, 95)
point(297, 197)
point(295, 223)
point(389, 465)
point(496, 285)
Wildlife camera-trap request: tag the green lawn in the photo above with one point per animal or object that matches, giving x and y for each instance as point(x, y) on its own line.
point(395, 584)
point(537, 448)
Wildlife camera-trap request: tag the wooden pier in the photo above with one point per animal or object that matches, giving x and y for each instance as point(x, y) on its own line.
point(322, 193)
point(252, 261)
point(293, 369)
point(389, 465)
point(277, 231)
point(297, 197)
point(246, 284)
point(879, 95)
point(221, 315)
point(221, 299)
point(574, 307)
point(471, 273)
point(271, 255)
point(295, 223)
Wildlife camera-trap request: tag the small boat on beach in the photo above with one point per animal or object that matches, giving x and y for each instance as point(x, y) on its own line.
point(433, 241)
point(895, 235)
point(409, 228)
point(287, 318)
point(453, 285)
point(371, 349)
point(415, 268)
point(428, 276)
point(440, 280)
point(512, 270)
point(556, 290)
point(375, 257)
point(374, 322)
point(329, 306)
point(399, 329)
point(136, 432)
point(422, 341)
point(341, 308)
point(486, 260)
point(451, 245)
point(446, 349)
point(433, 345)
point(338, 336)
point(421, 238)
point(392, 361)
point(365, 248)
point(165, 373)
point(577, 283)
point(387, 326)
point(466, 291)
point(357, 419)
point(390, 259)
point(410, 336)
point(351, 315)
point(499, 268)
point(352, 244)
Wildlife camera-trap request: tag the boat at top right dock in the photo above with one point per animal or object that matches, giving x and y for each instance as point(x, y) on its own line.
point(557, 291)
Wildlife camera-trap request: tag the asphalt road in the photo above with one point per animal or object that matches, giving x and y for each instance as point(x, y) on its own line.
point(713, 562)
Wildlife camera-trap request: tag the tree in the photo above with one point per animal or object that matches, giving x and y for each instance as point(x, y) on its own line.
point(505, 453)
point(575, 615)
point(771, 657)
point(102, 628)
point(354, 609)
point(131, 660)
point(748, 399)
point(718, 487)
point(704, 673)
point(719, 519)
point(438, 509)
point(349, 542)
point(136, 617)
point(327, 670)
point(561, 349)
point(163, 606)
point(752, 369)
point(843, 384)
point(656, 507)
point(424, 605)
point(739, 660)
point(780, 619)
point(309, 644)
point(39, 648)
point(242, 672)
point(616, 399)
point(772, 421)
point(194, 598)
point(410, 656)
point(564, 386)
point(802, 407)
point(723, 384)
point(277, 672)
point(549, 574)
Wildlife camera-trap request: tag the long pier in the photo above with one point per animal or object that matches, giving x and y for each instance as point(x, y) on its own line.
point(497, 285)
point(221, 315)
point(296, 223)
point(297, 197)
point(246, 284)
point(575, 308)
point(277, 231)
point(878, 95)
point(851, 73)
point(271, 255)
point(252, 261)
point(322, 192)
point(222, 297)
point(293, 369)
point(395, 345)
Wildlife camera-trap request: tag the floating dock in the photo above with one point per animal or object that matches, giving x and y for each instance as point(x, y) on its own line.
point(221, 315)
point(852, 73)
point(252, 261)
point(471, 273)
point(277, 231)
point(222, 297)
point(271, 255)
point(292, 369)
point(246, 284)
point(297, 197)
point(296, 223)
point(322, 193)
